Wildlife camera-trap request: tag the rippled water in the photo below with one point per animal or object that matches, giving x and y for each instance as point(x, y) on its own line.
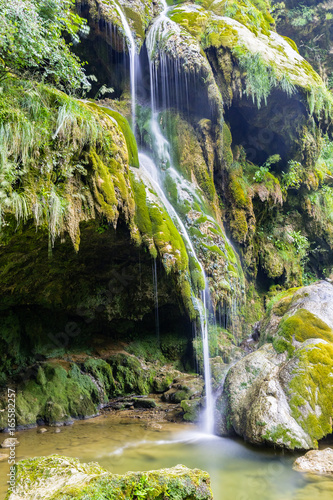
point(238, 472)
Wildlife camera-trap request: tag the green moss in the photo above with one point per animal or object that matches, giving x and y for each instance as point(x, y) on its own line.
point(97, 483)
point(187, 153)
point(239, 190)
point(56, 394)
point(142, 217)
point(130, 376)
point(291, 43)
point(191, 409)
point(304, 325)
point(282, 345)
point(282, 436)
point(102, 372)
point(104, 188)
point(227, 141)
point(132, 148)
point(238, 225)
point(311, 390)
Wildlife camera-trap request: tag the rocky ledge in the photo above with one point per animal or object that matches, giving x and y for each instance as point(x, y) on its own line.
point(60, 477)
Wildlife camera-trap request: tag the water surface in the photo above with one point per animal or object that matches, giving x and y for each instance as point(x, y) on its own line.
point(238, 472)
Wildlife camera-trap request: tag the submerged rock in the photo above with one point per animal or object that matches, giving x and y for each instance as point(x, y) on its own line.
point(316, 462)
point(71, 479)
point(282, 393)
point(42, 430)
point(9, 442)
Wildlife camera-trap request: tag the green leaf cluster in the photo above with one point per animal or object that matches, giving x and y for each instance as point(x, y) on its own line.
point(32, 42)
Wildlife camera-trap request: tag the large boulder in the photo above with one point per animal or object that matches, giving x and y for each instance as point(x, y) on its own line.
point(282, 394)
point(59, 478)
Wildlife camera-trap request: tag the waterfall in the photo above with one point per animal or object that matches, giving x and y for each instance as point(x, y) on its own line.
point(161, 147)
point(133, 59)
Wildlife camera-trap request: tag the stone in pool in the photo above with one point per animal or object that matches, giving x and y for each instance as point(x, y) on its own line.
point(7, 443)
point(59, 477)
point(316, 462)
point(144, 403)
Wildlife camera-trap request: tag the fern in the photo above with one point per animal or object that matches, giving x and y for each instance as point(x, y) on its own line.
point(20, 206)
point(259, 78)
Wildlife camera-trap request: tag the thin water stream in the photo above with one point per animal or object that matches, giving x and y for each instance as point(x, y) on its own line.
point(238, 472)
point(133, 60)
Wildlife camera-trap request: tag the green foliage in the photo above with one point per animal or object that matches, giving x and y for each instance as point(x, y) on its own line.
point(301, 242)
point(260, 174)
point(32, 43)
point(54, 153)
point(320, 101)
point(302, 15)
point(292, 178)
point(258, 76)
point(142, 489)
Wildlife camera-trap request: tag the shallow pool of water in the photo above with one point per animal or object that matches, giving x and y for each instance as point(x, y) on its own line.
point(238, 472)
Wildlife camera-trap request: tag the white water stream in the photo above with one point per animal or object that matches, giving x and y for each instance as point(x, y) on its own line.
point(162, 149)
point(133, 60)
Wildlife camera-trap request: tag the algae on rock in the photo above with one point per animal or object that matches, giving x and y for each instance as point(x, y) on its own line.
point(71, 479)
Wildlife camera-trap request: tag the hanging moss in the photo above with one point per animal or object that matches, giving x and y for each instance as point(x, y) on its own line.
point(132, 146)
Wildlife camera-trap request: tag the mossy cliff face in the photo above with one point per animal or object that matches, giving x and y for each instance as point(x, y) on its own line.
point(282, 393)
point(71, 479)
point(77, 238)
point(272, 103)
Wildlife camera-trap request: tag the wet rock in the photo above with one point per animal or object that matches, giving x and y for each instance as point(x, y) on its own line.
point(9, 442)
point(183, 388)
point(68, 474)
point(191, 409)
point(316, 462)
point(57, 430)
point(144, 403)
point(3, 457)
point(42, 430)
point(282, 393)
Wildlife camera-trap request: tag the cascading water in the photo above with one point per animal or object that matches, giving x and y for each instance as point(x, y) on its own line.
point(153, 174)
point(161, 147)
point(133, 60)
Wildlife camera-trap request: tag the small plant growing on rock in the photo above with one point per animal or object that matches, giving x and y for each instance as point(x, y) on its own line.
point(260, 174)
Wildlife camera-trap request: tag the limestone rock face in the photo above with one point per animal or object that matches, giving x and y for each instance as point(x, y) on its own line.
point(282, 393)
point(316, 462)
point(71, 479)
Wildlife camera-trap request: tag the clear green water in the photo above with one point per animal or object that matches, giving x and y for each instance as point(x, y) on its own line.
point(238, 472)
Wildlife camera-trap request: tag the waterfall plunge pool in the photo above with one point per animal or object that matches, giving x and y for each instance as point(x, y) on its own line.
point(120, 444)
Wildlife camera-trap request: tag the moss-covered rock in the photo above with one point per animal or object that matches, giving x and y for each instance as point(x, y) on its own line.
point(282, 393)
point(191, 409)
point(63, 478)
point(55, 393)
